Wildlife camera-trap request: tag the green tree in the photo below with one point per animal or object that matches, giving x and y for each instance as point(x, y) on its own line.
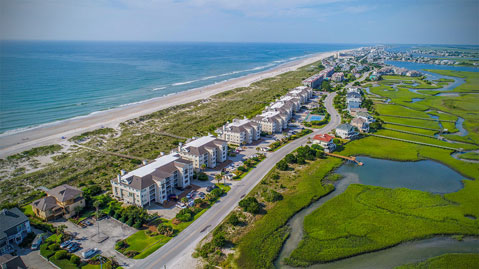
point(282, 165)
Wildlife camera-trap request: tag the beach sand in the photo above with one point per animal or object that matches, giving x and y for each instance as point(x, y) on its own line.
point(53, 133)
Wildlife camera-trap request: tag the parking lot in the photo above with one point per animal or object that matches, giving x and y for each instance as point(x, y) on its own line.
point(110, 228)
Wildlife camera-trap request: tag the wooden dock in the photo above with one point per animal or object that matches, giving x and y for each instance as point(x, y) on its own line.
point(352, 158)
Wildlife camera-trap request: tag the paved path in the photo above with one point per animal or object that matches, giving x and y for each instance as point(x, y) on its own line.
point(184, 244)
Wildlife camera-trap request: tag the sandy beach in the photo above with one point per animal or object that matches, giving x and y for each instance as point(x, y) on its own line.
point(53, 133)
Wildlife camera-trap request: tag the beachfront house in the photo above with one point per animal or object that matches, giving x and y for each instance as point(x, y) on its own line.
point(206, 151)
point(361, 124)
point(14, 227)
point(366, 116)
point(62, 201)
point(153, 182)
point(325, 141)
point(240, 132)
point(346, 131)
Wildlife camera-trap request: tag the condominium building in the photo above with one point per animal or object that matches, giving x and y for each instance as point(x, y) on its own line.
point(153, 182)
point(205, 151)
point(337, 77)
point(271, 121)
point(240, 132)
point(302, 92)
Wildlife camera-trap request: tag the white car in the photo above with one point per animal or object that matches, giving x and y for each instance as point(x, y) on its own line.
point(87, 254)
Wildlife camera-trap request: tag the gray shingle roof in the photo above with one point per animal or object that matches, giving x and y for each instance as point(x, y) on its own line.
point(64, 192)
point(10, 218)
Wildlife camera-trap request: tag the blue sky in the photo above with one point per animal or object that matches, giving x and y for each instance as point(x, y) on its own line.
point(320, 21)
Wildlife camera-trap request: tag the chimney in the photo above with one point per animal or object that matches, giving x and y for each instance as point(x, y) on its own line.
point(179, 146)
point(122, 172)
point(145, 162)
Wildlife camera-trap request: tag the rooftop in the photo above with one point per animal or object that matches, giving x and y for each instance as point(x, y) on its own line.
point(150, 168)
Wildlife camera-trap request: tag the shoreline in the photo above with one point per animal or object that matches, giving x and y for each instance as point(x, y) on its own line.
point(52, 133)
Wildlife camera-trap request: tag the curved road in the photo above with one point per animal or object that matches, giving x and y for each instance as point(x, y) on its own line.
point(184, 244)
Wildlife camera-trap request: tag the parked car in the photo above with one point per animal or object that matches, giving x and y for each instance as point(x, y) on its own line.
point(181, 205)
point(87, 222)
point(73, 247)
point(191, 203)
point(89, 253)
point(66, 244)
point(201, 195)
point(37, 241)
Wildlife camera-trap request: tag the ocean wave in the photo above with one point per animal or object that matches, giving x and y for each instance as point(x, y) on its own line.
point(159, 89)
point(184, 83)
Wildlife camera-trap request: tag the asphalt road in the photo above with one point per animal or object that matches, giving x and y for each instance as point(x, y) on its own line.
point(184, 244)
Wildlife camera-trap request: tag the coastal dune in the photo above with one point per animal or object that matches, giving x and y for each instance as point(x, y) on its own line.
point(57, 132)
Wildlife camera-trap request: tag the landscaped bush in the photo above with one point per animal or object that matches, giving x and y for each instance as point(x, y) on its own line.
point(131, 253)
point(202, 176)
point(61, 254)
point(185, 215)
point(75, 259)
point(45, 252)
point(165, 230)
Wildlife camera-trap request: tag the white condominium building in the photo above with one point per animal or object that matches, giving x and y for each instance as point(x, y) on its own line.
point(207, 150)
point(240, 132)
point(153, 182)
point(271, 121)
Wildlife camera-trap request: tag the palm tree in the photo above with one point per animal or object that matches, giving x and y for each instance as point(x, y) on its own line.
point(97, 204)
point(218, 177)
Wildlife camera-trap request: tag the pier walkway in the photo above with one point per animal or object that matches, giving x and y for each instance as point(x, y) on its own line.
point(352, 158)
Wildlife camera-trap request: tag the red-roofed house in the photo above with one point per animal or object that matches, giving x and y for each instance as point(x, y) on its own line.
point(325, 141)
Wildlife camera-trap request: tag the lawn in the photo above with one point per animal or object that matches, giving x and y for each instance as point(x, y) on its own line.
point(447, 261)
point(470, 156)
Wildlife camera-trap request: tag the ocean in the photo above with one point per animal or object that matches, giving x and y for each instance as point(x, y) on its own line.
point(43, 82)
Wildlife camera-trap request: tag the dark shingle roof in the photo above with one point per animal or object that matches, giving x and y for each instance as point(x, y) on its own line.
point(45, 203)
point(10, 218)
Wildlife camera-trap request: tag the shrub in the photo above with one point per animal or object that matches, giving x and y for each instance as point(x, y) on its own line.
point(219, 240)
point(137, 225)
point(272, 196)
point(233, 220)
point(290, 158)
point(217, 192)
point(54, 247)
point(202, 176)
point(282, 165)
point(131, 253)
point(61, 254)
point(250, 205)
point(75, 259)
point(165, 230)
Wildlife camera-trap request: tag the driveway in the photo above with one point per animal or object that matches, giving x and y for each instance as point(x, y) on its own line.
point(33, 260)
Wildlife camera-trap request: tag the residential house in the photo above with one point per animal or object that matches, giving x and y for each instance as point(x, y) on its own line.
point(346, 131)
point(63, 200)
point(366, 116)
point(353, 96)
point(354, 90)
point(14, 227)
point(153, 182)
point(8, 261)
point(354, 111)
point(361, 124)
point(325, 141)
point(240, 132)
point(413, 73)
point(205, 151)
